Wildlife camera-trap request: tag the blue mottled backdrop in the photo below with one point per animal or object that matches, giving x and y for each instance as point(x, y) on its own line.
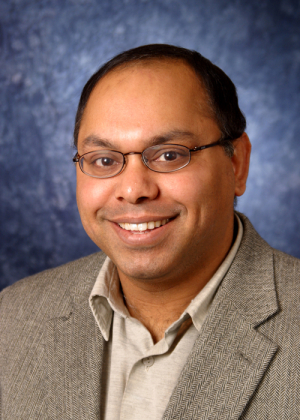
point(49, 48)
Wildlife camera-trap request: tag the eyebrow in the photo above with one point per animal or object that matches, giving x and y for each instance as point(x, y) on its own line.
point(173, 135)
point(94, 140)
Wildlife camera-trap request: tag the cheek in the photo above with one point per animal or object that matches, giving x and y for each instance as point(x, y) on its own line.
point(203, 189)
point(187, 189)
point(91, 195)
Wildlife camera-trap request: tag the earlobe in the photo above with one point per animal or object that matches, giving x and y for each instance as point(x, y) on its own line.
point(240, 163)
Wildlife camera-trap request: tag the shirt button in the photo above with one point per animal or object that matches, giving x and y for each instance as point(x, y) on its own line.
point(148, 361)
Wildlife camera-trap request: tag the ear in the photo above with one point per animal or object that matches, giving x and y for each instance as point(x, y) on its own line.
point(240, 163)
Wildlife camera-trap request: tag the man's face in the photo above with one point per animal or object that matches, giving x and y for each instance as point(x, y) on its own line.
point(130, 109)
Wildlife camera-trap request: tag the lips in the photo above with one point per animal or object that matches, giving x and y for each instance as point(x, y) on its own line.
point(142, 227)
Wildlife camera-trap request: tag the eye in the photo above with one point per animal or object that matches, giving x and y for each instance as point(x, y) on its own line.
point(104, 162)
point(169, 155)
point(103, 159)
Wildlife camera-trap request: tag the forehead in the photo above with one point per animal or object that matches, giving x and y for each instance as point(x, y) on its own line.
point(174, 77)
point(143, 98)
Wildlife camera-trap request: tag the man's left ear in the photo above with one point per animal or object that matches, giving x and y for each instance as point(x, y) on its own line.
point(240, 163)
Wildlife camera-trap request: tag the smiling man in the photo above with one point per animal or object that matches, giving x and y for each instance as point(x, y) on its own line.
point(187, 313)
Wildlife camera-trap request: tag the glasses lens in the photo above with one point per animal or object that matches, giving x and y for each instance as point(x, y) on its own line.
point(102, 163)
point(166, 157)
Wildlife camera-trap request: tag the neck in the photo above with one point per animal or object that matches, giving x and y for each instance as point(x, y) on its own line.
point(157, 303)
point(156, 311)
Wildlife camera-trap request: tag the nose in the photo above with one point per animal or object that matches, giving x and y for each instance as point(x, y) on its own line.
point(136, 183)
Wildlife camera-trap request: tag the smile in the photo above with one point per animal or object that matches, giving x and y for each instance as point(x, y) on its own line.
point(142, 227)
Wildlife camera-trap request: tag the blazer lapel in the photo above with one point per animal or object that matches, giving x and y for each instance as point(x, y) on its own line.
point(231, 356)
point(223, 370)
point(75, 352)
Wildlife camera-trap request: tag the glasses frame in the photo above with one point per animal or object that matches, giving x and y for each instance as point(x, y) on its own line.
point(78, 158)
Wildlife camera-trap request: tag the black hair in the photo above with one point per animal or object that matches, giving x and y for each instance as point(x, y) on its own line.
point(222, 96)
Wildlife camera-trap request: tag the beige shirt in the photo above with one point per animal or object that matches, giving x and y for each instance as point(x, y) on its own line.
point(139, 376)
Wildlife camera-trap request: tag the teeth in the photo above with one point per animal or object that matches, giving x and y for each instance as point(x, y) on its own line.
point(151, 225)
point(141, 227)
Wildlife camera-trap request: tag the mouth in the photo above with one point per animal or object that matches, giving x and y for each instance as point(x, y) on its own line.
point(140, 228)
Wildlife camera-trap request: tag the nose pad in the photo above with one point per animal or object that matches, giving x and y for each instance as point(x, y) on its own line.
point(137, 182)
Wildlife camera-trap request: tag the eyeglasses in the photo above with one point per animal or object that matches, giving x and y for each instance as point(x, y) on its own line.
point(161, 158)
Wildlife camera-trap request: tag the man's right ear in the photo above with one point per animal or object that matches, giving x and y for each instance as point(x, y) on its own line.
point(240, 163)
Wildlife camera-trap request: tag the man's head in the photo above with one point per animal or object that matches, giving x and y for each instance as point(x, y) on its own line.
point(130, 108)
point(221, 93)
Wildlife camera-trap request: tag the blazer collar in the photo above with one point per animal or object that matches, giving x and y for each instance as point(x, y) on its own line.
point(230, 356)
point(249, 283)
point(75, 347)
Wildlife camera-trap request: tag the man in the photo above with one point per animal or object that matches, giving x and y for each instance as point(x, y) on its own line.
point(191, 315)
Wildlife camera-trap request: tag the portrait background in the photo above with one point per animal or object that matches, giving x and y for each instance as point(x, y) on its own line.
point(48, 50)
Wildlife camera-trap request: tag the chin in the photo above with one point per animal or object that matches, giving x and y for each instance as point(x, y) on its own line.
point(145, 271)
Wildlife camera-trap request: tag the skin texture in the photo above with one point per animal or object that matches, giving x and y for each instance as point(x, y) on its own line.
point(161, 270)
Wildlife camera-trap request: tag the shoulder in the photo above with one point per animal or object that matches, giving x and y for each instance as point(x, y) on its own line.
point(286, 262)
point(50, 286)
point(287, 279)
point(258, 260)
point(256, 245)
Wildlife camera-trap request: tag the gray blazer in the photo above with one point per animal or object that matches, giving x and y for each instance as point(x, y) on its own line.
point(244, 364)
